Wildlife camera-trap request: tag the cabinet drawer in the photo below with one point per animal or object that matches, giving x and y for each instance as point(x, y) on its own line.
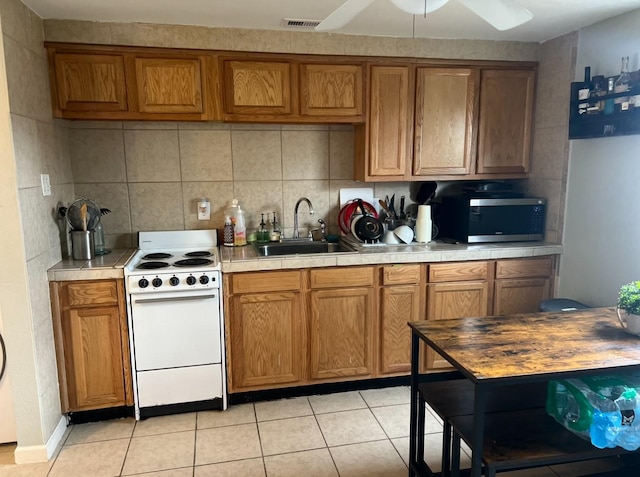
point(528, 267)
point(91, 293)
point(265, 282)
point(460, 271)
point(400, 274)
point(342, 277)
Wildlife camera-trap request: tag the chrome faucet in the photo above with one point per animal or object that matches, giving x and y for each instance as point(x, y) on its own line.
point(296, 232)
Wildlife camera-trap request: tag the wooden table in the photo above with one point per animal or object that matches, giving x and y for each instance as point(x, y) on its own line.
point(493, 351)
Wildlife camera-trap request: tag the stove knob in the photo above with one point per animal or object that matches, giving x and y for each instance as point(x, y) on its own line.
point(174, 281)
point(156, 282)
point(143, 283)
point(191, 280)
point(204, 279)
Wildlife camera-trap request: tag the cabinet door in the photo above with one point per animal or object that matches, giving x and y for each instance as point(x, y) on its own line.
point(520, 295)
point(266, 339)
point(341, 333)
point(398, 305)
point(504, 123)
point(390, 121)
point(445, 102)
point(455, 300)
point(257, 88)
point(331, 90)
point(89, 82)
point(93, 357)
point(169, 85)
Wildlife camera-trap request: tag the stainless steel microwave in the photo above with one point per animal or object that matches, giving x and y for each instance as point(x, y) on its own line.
point(479, 220)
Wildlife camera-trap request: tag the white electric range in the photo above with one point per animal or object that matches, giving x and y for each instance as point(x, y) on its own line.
point(176, 322)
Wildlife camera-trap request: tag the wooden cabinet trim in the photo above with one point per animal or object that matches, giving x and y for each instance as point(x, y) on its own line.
point(261, 282)
point(527, 267)
point(457, 271)
point(400, 274)
point(84, 293)
point(341, 277)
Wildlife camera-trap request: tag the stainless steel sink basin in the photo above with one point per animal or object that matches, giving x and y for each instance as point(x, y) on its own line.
point(297, 247)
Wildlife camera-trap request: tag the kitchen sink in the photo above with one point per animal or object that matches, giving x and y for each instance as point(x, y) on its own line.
point(297, 247)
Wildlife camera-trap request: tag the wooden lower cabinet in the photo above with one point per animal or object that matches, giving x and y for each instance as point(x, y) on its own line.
point(266, 339)
point(456, 290)
point(92, 344)
point(521, 284)
point(341, 332)
point(300, 327)
point(400, 301)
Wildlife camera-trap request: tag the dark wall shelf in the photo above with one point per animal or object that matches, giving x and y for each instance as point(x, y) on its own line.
point(587, 126)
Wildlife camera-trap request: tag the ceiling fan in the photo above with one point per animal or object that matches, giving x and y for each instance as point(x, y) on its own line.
point(501, 14)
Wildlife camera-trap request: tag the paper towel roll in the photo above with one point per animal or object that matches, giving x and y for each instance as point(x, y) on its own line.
point(423, 224)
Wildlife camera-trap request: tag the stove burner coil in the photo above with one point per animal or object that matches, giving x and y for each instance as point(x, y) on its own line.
point(193, 262)
point(151, 265)
point(156, 256)
point(198, 253)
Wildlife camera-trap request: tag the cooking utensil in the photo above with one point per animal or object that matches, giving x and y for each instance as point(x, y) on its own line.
point(75, 215)
point(350, 209)
point(385, 207)
point(392, 206)
point(401, 216)
point(426, 192)
point(368, 228)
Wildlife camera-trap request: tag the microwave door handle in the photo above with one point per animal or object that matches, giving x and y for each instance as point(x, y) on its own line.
point(474, 213)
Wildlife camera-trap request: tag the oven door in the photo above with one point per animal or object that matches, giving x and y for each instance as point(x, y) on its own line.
point(176, 329)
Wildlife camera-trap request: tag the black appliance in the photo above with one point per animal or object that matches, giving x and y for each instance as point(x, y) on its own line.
point(472, 219)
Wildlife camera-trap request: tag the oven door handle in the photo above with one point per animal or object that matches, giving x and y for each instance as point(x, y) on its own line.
point(135, 299)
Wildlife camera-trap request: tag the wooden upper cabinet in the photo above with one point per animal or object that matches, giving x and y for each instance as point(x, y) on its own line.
point(445, 101)
point(331, 90)
point(257, 87)
point(130, 83)
point(89, 82)
point(504, 123)
point(169, 85)
point(389, 124)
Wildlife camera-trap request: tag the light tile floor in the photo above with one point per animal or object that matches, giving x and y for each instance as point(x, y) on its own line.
point(350, 434)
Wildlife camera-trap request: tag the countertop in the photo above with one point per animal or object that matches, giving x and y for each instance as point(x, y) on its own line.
point(243, 259)
point(106, 266)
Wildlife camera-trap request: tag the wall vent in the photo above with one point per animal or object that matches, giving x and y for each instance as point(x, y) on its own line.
point(299, 23)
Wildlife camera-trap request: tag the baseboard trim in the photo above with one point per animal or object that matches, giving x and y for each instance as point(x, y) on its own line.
point(41, 453)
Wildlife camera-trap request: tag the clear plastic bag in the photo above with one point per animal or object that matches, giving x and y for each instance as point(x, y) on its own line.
point(602, 409)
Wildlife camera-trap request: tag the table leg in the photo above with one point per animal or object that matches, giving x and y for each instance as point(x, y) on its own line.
point(415, 403)
point(478, 430)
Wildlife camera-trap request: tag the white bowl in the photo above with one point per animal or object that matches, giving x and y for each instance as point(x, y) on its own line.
point(390, 238)
point(404, 233)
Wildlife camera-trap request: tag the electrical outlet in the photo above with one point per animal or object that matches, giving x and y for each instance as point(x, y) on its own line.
point(46, 184)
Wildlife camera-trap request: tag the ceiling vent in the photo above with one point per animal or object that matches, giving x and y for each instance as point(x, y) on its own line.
point(298, 23)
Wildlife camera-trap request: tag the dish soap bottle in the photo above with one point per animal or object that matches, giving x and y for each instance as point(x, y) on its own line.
point(275, 235)
point(236, 214)
point(227, 232)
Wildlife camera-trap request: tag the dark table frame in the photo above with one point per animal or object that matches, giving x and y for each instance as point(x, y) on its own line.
point(493, 351)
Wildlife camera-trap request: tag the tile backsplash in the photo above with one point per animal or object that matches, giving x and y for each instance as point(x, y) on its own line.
point(151, 174)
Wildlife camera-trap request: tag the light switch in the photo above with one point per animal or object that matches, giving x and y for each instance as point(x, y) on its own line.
point(46, 184)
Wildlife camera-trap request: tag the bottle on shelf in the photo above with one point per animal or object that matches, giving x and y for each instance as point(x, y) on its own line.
point(608, 103)
point(598, 89)
point(263, 234)
point(621, 85)
point(275, 235)
point(236, 214)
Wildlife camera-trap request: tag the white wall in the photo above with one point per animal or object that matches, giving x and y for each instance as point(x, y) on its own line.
point(602, 226)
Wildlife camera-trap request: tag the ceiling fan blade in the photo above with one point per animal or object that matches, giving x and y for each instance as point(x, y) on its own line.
point(343, 14)
point(419, 7)
point(501, 14)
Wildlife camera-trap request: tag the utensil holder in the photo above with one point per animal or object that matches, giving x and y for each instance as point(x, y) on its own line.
point(83, 244)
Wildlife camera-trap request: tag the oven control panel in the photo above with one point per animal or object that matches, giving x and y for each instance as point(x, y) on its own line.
point(157, 282)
